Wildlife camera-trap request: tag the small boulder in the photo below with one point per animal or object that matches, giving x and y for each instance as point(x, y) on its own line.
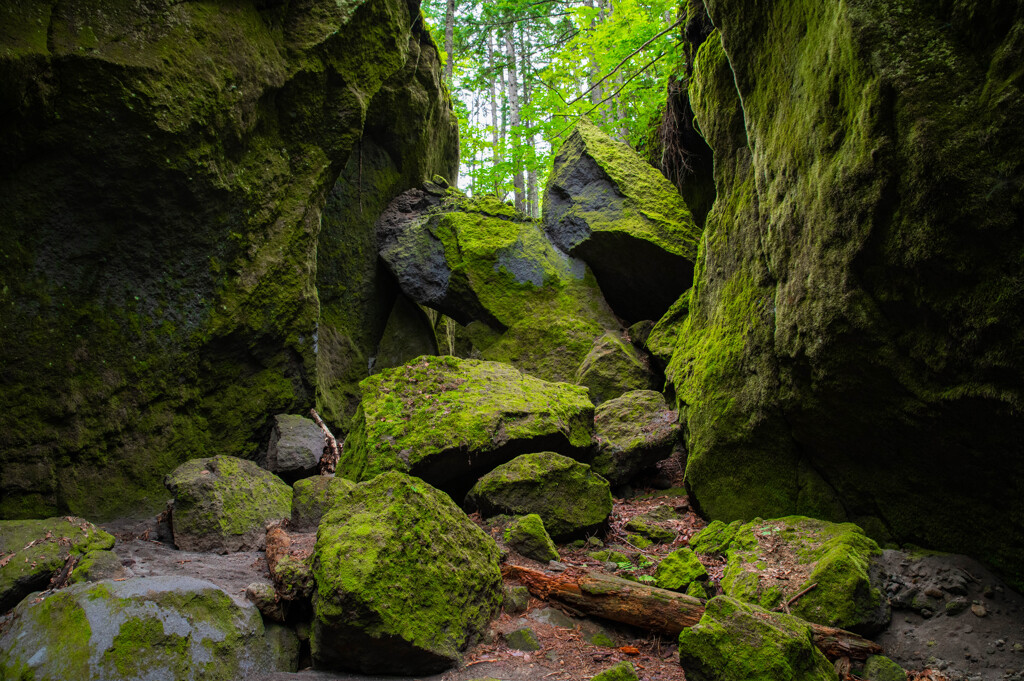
point(571, 499)
point(679, 569)
point(156, 628)
point(522, 639)
point(515, 599)
point(450, 420)
point(881, 668)
point(646, 528)
point(623, 671)
point(33, 551)
point(99, 565)
point(634, 431)
point(312, 497)
point(737, 641)
point(223, 503)
point(613, 367)
point(606, 205)
point(527, 535)
point(295, 447)
point(404, 580)
point(834, 556)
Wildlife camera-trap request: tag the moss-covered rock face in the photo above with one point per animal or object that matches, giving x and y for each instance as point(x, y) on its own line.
point(679, 569)
point(404, 580)
point(162, 243)
point(157, 627)
point(224, 503)
point(606, 205)
point(613, 367)
point(569, 497)
point(736, 641)
point(33, 551)
point(98, 565)
point(623, 671)
point(528, 536)
point(407, 335)
point(449, 420)
point(313, 497)
point(633, 432)
point(482, 263)
point(834, 557)
point(856, 310)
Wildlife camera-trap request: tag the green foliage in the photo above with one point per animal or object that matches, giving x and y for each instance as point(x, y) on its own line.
point(561, 50)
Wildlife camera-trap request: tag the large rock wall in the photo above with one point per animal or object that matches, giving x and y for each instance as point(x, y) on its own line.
point(853, 344)
point(163, 170)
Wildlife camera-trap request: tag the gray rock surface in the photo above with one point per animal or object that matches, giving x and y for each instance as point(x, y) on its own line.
point(295, 447)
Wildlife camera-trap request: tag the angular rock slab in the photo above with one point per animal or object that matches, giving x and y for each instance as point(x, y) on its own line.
point(450, 420)
point(404, 580)
point(312, 497)
point(480, 262)
point(837, 557)
point(527, 535)
point(223, 503)
point(606, 205)
point(634, 432)
point(295, 447)
point(570, 498)
point(178, 628)
point(33, 551)
point(737, 641)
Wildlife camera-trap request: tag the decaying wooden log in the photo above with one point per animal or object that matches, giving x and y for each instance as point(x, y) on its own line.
point(659, 610)
point(332, 452)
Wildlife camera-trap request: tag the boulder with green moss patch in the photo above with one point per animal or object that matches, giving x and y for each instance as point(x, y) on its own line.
point(736, 641)
point(856, 317)
point(646, 527)
point(606, 205)
point(404, 580)
point(613, 367)
point(224, 504)
point(204, 257)
point(571, 499)
point(679, 569)
point(834, 557)
point(99, 565)
point(526, 535)
point(881, 668)
point(492, 268)
point(623, 671)
point(634, 431)
point(449, 420)
point(33, 551)
point(312, 497)
point(178, 628)
point(295, 447)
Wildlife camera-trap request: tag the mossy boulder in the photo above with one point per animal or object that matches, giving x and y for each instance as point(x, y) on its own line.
point(171, 270)
point(483, 264)
point(450, 420)
point(522, 639)
point(570, 498)
point(33, 551)
point(613, 367)
point(312, 497)
point(647, 527)
point(606, 205)
point(835, 557)
point(158, 627)
point(736, 641)
point(881, 668)
point(98, 565)
point(623, 671)
point(224, 504)
point(526, 535)
point(679, 569)
point(295, 447)
point(633, 431)
point(856, 318)
point(404, 580)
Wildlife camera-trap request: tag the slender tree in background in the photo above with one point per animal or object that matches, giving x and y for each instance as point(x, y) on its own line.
point(524, 71)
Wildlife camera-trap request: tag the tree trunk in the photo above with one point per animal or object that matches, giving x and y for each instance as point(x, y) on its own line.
point(658, 610)
point(595, 72)
point(495, 142)
point(513, 105)
point(449, 42)
point(532, 198)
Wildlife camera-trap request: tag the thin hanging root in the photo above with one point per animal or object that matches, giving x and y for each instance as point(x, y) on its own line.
point(332, 451)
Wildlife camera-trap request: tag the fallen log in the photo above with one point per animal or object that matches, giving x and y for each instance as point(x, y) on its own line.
point(658, 610)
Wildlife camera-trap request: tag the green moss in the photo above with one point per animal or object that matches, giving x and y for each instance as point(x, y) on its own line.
point(522, 639)
point(639, 541)
point(738, 642)
point(400, 561)
point(66, 655)
point(609, 556)
point(611, 368)
point(138, 634)
point(679, 569)
point(661, 342)
point(570, 498)
point(439, 413)
point(313, 497)
point(697, 590)
point(654, 533)
point(715, 538)
point(623, 671)
point(881, 668)
point(527, 535)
